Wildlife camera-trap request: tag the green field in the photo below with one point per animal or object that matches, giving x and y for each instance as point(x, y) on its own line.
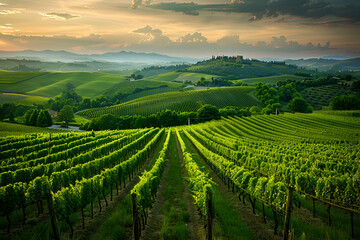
point(180, 76)
point(269, 80)
point(152, 92)
point(8, 129)
point(180, 101)
point(8, 77)
point(21, 99)
point(51, 84)
point(129, 87)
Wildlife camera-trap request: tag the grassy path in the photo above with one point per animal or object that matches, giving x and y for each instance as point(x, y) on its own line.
point(232, 219)
point(173, 215)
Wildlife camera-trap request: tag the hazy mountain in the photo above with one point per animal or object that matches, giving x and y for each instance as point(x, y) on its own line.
point(321, 64)
point(117, 57)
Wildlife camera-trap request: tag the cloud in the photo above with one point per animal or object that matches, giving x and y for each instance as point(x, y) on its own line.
point(155, 36)
point(59, 16)
point(186, 8)
point(138, 3)
point(6, 12)
point(258, 9)
point(193, 38)
point(6, 27)
point(149, 39)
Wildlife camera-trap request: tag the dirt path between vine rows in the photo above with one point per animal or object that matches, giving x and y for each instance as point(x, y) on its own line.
point(156, 215)
point(196, 231)
point(253, 221)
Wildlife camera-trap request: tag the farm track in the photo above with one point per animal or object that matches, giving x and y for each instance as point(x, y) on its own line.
point(156, 214)
point(253, 221)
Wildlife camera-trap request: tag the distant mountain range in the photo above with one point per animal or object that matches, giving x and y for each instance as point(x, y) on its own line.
point(115, 57)
point(321, 64)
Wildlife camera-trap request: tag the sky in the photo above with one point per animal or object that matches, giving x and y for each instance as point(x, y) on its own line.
point(199, 28)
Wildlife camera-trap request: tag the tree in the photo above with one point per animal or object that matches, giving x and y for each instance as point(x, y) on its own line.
point(207, 112)
point(44, 119)
point(255, 110)
point(298, 104)
point(41, 120)
point(33, 117)
point(286, 92)
point(345, 102)
point(66, 115)
point(49, 121)
point(12, 116)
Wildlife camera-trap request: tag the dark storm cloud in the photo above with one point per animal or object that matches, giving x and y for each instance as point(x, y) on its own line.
point(273, 8)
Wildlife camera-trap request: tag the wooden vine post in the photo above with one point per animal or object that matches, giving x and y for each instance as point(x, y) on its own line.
point(134, 211)
point(52, 216)
point(210, 213)
point(352, 224)
point(289, 200)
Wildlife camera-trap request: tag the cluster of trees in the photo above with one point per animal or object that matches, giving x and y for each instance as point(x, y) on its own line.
point(10, 110)
point(39, 118)
point(345, 102)
point(217, 82)
point(286, 92)
point(165, 118)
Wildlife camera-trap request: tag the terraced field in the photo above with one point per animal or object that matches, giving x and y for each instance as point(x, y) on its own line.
point(321, 96)
point(180, 101)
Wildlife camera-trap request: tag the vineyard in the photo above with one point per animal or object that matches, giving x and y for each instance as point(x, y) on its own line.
point(291, 176)
point(186, 101)
point(321, 96)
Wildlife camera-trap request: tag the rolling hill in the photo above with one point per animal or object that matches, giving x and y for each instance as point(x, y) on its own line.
point(180, 101)
point(87, 84)
point(51, 84)
point(322, 64)
point(233, 68)
point(269, 80)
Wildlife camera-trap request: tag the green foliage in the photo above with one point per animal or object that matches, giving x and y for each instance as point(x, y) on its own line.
point(33, 117)
point(207, 112)
point(66, 115)
point(286, 92)
point(267, 95)
point(299, 104)
point(44, 119)
point(345, 102)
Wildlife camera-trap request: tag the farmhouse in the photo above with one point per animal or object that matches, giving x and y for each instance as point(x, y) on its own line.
point(53, 113)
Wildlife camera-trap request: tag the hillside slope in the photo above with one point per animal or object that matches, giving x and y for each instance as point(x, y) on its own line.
point(180, 101)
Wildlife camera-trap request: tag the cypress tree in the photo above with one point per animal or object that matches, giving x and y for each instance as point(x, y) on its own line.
point(33, 117)
point(49, 121)
point(41, 120)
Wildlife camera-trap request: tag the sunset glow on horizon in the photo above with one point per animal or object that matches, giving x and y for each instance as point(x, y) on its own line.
point(253, 28)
